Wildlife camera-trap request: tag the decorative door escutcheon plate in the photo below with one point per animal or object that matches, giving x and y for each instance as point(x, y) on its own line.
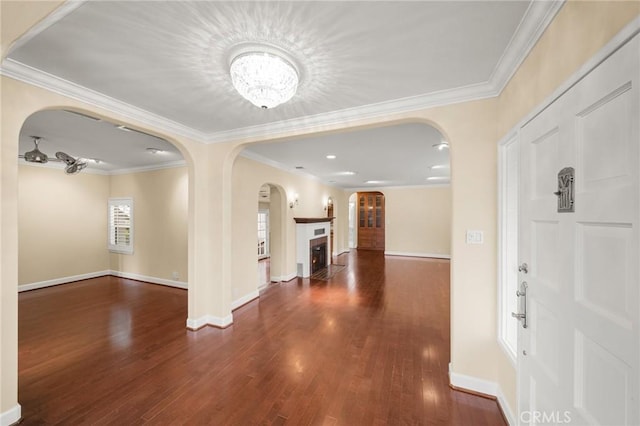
point(565, 193)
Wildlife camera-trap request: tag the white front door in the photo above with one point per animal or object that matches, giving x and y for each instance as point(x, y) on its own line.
point(579, 357)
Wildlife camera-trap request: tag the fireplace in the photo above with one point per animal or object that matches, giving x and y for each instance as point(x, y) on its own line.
point(318, 254)
point(311, 235)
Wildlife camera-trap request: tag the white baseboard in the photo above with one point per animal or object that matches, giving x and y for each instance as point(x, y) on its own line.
point(63, 280)
point(11, 416)
point(245, 299)
point(288, 277)
point(220, 322)
point(196, 323)
point(153, 280)
point(343, 251)
point(485, 387)
point(409, 254)
point(72, 278)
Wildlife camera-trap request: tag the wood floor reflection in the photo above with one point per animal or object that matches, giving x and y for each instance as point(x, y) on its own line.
point(370, 346)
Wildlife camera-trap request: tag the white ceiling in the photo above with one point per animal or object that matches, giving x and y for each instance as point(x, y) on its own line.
point(79, 136)
point(391, 156)
point(166, 64)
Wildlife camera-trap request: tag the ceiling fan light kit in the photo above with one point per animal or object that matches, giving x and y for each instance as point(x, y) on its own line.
point(36, 156)
point(73, 165)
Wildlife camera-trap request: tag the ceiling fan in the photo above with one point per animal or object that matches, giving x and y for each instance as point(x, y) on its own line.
point(73, 165)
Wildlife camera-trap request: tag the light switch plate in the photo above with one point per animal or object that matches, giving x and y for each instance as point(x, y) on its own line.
point(475, 237)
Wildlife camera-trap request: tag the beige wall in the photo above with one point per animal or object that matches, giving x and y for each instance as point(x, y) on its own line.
point(62, 224)
point(472, 128)
point(160, 202)
point(579, 30)
point(418, 220)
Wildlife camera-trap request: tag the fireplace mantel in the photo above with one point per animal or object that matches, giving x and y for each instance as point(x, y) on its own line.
point(308, 229)
point(312, 219)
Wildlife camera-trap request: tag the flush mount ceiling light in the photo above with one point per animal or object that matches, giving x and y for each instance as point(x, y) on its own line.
point(264, 78)
point(155, 150)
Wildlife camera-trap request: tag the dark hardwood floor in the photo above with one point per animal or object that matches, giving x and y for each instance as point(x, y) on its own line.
point(368, 347)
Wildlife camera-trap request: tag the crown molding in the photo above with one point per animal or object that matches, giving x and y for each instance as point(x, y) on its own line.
point(535, 20)
point(25, 73)
point(92, 171)
point(54, 165)
point(168, 165)
point(343, 117)
point(381, 188)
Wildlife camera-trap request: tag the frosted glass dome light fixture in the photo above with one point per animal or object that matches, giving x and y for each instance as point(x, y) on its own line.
point(265, 79)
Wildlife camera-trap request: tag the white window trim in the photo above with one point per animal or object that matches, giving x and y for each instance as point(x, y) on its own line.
point(507, 246)
point(267, 252)
point(128, 249)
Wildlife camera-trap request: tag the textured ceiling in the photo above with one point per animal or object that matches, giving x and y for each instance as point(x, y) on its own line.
point(166, 63)
point(171, 58)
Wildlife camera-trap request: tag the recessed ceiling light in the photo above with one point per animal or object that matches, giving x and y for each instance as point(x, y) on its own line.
point(373, 181)
point(299, 167)
point(83, 115)
point(438, 178)
point(439, 167)
point(94, 160)
point(332, 181)
point(331, 157)
point(155, 150)
point(442, 145)
point(347, 173)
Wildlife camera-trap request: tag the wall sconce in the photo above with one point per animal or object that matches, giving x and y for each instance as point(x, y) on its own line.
point(327, 202)
point(294, 201)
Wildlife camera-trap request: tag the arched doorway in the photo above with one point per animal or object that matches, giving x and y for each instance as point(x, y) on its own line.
point(270, 239)
point(93, 175)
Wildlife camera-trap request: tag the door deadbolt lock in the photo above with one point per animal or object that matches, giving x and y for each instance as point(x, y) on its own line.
point(523, 268)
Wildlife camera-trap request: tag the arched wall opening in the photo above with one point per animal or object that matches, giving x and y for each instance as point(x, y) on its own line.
point(250, 172)
point(145, 174)
point(271, 243)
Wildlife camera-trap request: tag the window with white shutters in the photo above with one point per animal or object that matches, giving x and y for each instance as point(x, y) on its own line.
point(121, 225)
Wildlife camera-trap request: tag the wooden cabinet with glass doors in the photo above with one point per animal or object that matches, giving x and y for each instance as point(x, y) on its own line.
point(371, 220)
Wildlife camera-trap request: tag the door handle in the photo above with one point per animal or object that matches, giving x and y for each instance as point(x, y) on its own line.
point(522, 293)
